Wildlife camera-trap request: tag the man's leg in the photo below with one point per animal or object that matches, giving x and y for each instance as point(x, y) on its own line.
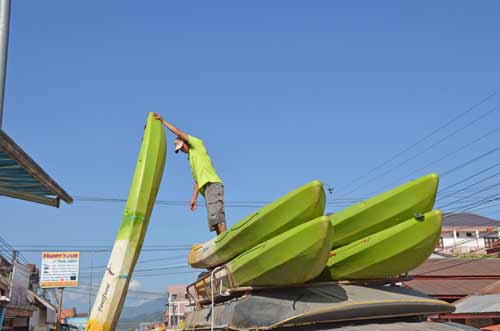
point(214, 199)
point(221, 227)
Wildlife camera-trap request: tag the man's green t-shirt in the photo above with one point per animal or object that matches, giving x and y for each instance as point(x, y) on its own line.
point(201, 165)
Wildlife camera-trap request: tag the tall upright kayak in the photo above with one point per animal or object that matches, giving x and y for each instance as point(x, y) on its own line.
point(147, 177)
point(384, 210)
point(300, 205)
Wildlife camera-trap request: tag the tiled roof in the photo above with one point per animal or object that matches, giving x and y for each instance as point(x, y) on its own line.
point(180, 290)
point(467, 220)
point(68, 312)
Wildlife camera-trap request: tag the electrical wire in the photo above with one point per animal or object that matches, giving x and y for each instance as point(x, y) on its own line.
point(432, 133)
point(444, 157)
point(437, 143)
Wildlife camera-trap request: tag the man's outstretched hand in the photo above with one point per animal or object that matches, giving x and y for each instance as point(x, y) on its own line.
point(192, 205)
point(158, 117)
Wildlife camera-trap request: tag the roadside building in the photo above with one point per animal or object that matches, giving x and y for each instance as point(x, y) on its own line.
point(481, 310)
point(177, 306)
point(467, 234)
point(44, 314)
point(453, 278)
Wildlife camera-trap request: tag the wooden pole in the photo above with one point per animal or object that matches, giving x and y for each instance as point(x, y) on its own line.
point(59, 307)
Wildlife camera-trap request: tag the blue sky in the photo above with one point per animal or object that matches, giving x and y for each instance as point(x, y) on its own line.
point(281, 93)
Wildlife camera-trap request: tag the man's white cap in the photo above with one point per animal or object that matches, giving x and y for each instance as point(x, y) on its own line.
point(178, 144)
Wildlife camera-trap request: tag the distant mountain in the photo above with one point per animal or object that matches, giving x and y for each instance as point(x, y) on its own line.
point(149, 311)
point(132, 312)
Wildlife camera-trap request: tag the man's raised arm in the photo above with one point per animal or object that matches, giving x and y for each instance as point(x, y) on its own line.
point(172, 128)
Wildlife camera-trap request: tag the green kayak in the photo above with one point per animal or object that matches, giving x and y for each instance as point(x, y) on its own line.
point(293, 257)
point(384, 210)
point(291, 210)
point(390, 252)
point(147, 177)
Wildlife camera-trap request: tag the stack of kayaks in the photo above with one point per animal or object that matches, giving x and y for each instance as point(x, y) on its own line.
point(291, 210)
point(288, 242)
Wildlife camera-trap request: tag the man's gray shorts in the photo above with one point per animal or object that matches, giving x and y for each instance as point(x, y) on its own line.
point(214, 200)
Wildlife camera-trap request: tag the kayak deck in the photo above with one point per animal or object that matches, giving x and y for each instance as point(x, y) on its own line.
point(293, 209)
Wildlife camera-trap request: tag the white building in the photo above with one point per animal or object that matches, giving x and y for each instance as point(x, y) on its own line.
point(467, 234)
point(177, 305)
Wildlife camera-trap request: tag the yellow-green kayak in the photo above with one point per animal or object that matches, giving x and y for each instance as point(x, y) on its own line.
point(390, 252)
point(148, 173)
point(384, 210)
point(293, 257)
point(299, 206)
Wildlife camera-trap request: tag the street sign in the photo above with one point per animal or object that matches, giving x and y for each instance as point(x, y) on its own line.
point(59, 269)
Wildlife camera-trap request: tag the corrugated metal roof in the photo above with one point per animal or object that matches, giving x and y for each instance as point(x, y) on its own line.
point(467, 220)
point(491, 289)
point(449, 287)
point(489, 303)
point(491, 328)
point(458, 267)
point(22, 178)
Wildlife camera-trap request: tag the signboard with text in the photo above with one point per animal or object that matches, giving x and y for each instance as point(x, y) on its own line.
point(59, 269)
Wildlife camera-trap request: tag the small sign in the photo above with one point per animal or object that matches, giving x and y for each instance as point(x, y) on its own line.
point(59, 269)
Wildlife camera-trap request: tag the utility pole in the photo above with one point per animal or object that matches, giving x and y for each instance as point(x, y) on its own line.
point(91, 281)
point(59, 307)
point(4, 46)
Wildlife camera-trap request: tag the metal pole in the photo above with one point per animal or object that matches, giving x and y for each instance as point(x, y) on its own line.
point(4, 45)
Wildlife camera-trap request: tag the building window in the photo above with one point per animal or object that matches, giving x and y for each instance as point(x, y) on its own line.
point(458, 234)
point(186, 296)
point(468, 234)
point(174, 296)
point(440, 243)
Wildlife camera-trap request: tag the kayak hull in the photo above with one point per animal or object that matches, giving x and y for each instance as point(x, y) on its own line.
point(128, 244)
point(312, 304)
point(390, 252)
point(291, 210)
point(384, 210)
point(293, 257)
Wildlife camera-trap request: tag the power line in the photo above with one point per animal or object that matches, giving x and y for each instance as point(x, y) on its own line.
point(470, 177)
point(405, 161)
point(478, 182)
point(418, 142)
point(463, 147)
point(453, 202)
point(469, 162)
point(170, 258)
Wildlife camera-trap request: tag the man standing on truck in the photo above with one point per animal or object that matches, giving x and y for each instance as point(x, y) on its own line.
point(206, 180)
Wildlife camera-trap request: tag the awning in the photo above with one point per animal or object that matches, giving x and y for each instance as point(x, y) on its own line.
point(22, 178)
point(39, 301)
